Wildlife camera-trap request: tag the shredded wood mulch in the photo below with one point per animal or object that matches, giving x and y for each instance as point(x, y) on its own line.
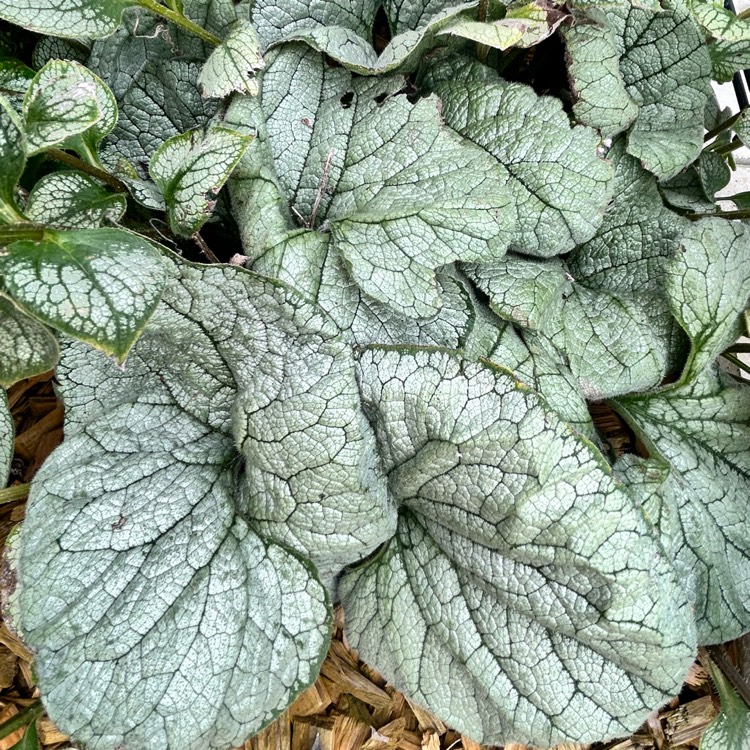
point(350, 706)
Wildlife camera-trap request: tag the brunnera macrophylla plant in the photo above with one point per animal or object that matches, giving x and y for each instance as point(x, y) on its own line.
point(387, 407)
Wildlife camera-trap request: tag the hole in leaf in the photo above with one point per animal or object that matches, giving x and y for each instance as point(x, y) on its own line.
point(347, 99)
point(380, 98)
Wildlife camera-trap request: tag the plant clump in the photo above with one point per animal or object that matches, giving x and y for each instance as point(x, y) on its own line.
point(442, 257)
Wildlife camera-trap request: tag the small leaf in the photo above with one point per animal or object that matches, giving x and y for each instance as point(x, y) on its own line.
point(518, 563)
point(84, 19)
point(730, 730)
point(61, 102)
point(87, 142)
point(7, 430)
point(529, 293)
point(729, 37)
point(522, 26)
point(233, 66)
point(15, 78)
point(72, 200)
point(695, 188)
point(98, 285)
point(708, 287)
point(27, 348)
point(12, 158)
point(190, 170)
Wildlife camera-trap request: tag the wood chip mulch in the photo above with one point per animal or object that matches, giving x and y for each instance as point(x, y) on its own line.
point(350, 707)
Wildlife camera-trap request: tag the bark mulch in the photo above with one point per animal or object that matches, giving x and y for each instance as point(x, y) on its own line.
point(350, 706)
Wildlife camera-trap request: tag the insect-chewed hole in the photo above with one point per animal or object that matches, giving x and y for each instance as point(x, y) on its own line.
point(347, 99)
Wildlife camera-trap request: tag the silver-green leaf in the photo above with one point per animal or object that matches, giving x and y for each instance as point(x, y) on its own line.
point(559, 182)
point(79, 19)
point(667, 72)
point(601, 100)
point(190, 169)
point(27, 347)
point(98, 285)
point(521, 573)
point(72, 200)
point(356, 159)
point(708, 288)
point(702, 432)
point(7, 434)
point(61, 102)
point(234, 65)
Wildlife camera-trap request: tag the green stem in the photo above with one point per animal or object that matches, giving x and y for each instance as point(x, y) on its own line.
point(21, 719)
point(9, 214)
point(722, 126)
point(17, 232)
point(739, 349)
point(744, 14)
point(728, 148)
point(15, 493)
point(82, 166)
point(180, 20)
point(737, 362)
point(483, 51)
point(743, 214)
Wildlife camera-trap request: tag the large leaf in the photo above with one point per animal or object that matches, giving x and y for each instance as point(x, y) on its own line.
point(702, 432)
point(72, 200)
point(608, 342)
point(7, 433)
point(506, 602)
point(192, 625)
point(594, 71)
point(666, 69)
point(80, 19)
point(708, 286)
point(559, 182)
point(190, 169)
point(99, 285)
point(375, 171)
point(27, 347)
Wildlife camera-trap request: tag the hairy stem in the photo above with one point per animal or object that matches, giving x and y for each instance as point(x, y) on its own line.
point(180, 20)
point(82, 166)
point(15, 493)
